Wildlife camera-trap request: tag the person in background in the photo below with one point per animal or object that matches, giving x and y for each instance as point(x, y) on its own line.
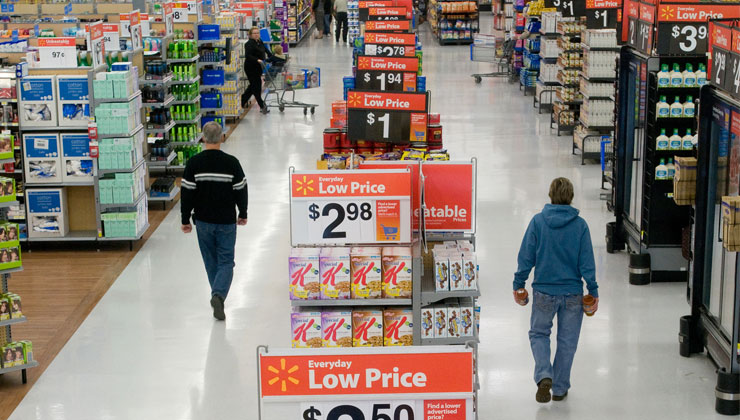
point(318, 16)
point(214, 186)
point(557, 245)
point(340, 9)
point(255, 54)
point(327, 17)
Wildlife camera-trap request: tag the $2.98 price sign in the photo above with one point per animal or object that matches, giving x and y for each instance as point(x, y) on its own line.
point(359, 411)
point(337, 211)
point(386, 117)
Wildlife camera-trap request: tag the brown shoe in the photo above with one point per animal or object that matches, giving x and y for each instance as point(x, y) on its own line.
point(543, 391)
point(560, 397)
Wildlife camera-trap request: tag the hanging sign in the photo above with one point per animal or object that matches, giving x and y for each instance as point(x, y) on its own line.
point(391, 74)
point(387, 117)
point(111, 37)
point(131, 28)
point(350, 207)
point(449, 196)
point(602, 14)
point(390, 45)
point(388, 26)
point(180, 13)
point(145, 28)
point(57, 52)
point(721, 45)
point(96, 44)
point(376, 383)
point(641, 21)
point(168, 18)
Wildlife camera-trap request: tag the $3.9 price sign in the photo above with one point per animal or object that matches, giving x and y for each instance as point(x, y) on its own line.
point(360, 207)
point(395, 410)
point(396, 74)
point(387, 117)
point(683, 38)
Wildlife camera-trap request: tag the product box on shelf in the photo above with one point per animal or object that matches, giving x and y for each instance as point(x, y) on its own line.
point(42, 158)
point(9, 234)
point(453, 320)
point(397, 274)
point(121, 152)
point(440, 321)
point(17, 353)
point(305, 280)
point(118, 118)
point(38, 102)
point(306, 328)
point(77, 165)
point(367, 328)
point(336, 328)
point(5, 304)
point(441, 270)
point(10, 307)
point(7, 144)
point(335, 273)
point(209, 32)
point(427, 322)
point(74, 101)
point(398, 327)
point(366, 273)
point(7, 190)
point(470, 270)
point(126, 224)
point(116, 84)
point(467, 317)
point(47, 212)
point(730, 210)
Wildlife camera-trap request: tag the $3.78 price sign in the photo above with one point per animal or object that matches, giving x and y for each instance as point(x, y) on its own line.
point(359, 411)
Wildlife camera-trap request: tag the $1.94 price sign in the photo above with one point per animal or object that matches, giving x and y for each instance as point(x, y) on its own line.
point(363, 207)
point(387, 117)
point(395, 74)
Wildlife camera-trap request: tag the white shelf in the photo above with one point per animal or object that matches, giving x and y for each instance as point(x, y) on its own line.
point(186, 82)
point(29, 365)
point(430, 297)
point(123, 205)
point(166, 128)
point(188, 102)
point(60, 184)
point(163, 81)
point(118, 100)
point(113, 171)
point(352, 302)
point(166, 162)
point(167, 102)
point(77, 236)
point(11, 270)
point(183, 60)
point(193, 121)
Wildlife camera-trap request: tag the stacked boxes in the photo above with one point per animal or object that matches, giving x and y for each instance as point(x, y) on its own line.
point(42, 157)
point(7, 189)
point(74, 101)
point(47, 213)
point(334, 270)
point(37, 107)
point(78, 166)
point(10, 307)
point(304, 273)
point(118, 117)
point(397, 274)
point(115, 85)
point(455, 266)
point(454, 318)
point(336, 328)
point(123, 187)
point(684, 181)
point(10, 252)
point(366, 273)
point(121, 153)
point(17, 353)
point(7, 143)
point(127, 224)
point(731, 223)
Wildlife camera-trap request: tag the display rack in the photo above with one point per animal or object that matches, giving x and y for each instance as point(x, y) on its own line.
point(300, 20)
point(566, 105)
point(13, 168)
point(547, 81)
point(454, 21)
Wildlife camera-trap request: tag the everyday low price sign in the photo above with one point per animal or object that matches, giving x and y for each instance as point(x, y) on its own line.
point(387, 117)
point(386, 14)
point(399, 383)
point(352, 207)
point(390, 44)
point(393, 74)
point(388, 26)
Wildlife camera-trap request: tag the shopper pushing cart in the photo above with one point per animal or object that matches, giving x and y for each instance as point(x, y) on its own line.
point(255, 56)
point(284, 79)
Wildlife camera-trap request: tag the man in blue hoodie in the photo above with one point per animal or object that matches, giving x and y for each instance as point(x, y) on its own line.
point(557, 245)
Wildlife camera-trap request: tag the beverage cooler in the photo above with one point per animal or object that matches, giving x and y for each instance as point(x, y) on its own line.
point(648, 221)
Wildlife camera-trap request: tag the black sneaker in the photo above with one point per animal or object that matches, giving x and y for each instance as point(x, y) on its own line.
point(265, 110)
point(560, 397)
point(543, 390)
point(217, 303)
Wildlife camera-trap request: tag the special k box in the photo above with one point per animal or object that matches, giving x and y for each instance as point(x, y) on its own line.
point(367, 328)
point(397, 274)
point(334, 266)
point(306, 328)
point(366, 273)
point(336, 328)
point(427, 322)
point(398, 327)
point(304, 273)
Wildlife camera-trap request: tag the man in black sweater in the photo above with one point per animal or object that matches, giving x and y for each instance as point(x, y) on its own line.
point(214, 186)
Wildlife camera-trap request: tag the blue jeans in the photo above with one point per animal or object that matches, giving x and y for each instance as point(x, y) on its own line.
point(217, 244)
point(569, 309)
point(327, 24)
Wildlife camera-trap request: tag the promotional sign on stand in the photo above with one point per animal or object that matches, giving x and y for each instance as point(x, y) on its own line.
point(383, 44)
point(180, 12)
point(683, 28)
point(364, 7)
point(168, 18)
point(568, 8)
point(449, 196)
point(96, 44)
point(602, 14)
point(57, 52)
point(374, 383)
point(387, 117)
point(392, 74)
point(345, 207)
point(131, 28)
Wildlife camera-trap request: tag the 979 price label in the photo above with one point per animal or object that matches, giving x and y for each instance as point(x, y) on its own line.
point(397, 410)
point(386, 81)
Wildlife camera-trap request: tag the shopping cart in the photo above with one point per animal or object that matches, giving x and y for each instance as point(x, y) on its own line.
point(484, 50)
point(286, 78)
point(390, 233)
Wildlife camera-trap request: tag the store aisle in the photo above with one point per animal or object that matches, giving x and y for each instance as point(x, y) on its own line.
point(151, 349)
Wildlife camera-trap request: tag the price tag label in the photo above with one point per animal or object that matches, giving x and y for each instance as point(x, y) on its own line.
point(180, 12)
point(387, 74)
point(682, 38)
point(387, 117)
point(601, 18)
point(111, 37)
point(364, 8)
point(390, 44)
point(719, 67)
point(568, 8)
point(386, 14)
point(125, 23)
point(358, 207)
point(57, 52)
point(732, 83)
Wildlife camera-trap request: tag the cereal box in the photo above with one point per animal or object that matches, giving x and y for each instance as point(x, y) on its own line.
point(335, 273)
point(441, 271)
point(453, 320)
point(470, 271)
point(366, 273)
point(397, 275)
point(427, 322)
point(398, 328)
point(367, 328)
point(456, 271)
point(467, 317)
point(336, 328)
point(440, 321)
point(304, 273)
point(306, 328)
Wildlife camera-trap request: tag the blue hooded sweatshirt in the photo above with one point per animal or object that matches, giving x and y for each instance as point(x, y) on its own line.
point(557, 245)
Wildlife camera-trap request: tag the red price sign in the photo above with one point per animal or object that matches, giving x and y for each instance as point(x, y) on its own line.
point(388, 26)
point(449, 196)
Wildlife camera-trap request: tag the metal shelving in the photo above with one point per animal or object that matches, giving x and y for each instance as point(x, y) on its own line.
point(352, 302)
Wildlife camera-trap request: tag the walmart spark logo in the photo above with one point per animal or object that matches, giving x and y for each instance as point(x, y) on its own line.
point(304, 185)
point(280, 373)
point(363, 61)
point(354, 99)
point(668, 13)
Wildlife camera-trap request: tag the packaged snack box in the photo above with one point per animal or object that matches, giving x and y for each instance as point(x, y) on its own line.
point(366, 273)
point(457, 281)
point(336, 328)
point(467, 318)
point(304, 273)
point(470, 270)
point(427, 322)
point(397, 274)
point(441, 271)
point(367, 328)
point(398, 327)
point(453, 320)
point(306, 328)
point(335, 273)
point(440, 321)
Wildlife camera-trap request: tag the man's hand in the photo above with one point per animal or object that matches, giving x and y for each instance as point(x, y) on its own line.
point(187, 228)
point(241, 222)
point(595, 306)
point(260, 61)
point(519, 301)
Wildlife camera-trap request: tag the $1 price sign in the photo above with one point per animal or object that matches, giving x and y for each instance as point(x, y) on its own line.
point(395, 410)
point(601, 14)
point(395, 74)
point(387, 117)
point(328, 207)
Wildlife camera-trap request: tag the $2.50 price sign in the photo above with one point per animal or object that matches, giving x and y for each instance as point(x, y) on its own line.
point(359, 207)
point(387, 117)
point(396, 74)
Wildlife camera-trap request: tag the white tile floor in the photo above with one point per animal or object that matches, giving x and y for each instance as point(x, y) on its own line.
point(151, 350)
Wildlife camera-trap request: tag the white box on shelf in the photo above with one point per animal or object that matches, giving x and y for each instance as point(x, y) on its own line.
point(73, 101)
point(427, 322)
point(38, 97)
point(47, 212)
point(77, 166)
point(42, 158)
point(453, 320)
point(467, 317)
point(440, 321)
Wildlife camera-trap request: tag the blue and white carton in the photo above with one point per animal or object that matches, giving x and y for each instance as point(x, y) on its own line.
point(38, 102)
point(43, 162)
point(77, 165)
point(73, 105)
point(47, 212)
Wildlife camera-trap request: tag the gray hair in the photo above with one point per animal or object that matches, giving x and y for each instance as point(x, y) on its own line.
point(212, 132)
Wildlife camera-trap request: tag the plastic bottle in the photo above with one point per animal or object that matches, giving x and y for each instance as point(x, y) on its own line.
point(674, 143)
point(661, 143)
point(671, 168)
point(676, 76)
point(689, 108)
point(701, 75)
point(663, 109)
point(664, 76)
point(687, 143)
point(676, 108)
point(689, 77)
point(661, 171)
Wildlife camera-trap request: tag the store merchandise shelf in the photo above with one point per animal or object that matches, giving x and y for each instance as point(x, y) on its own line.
point(196, 141)
point(206, 87)
point(13, 321)
point(59, 184)
point(115, 136)
point(29, 365)
point(8, 101)
point(117, 100)
point(123, 205)
point(448, 341)
point(599, 98)
point(6, 161)
point(352, 302)
point(10, 124)
point(136, 238)
point(586, 47)
point(187, 102)
point(551, 83)
point(169, 197)
point(598, 127)
point(78, 235)
point(186, 82)
point(210, 63)
point(51, 128)
point(167, 102)
point(210, 109)
point(193, 121)
point(166, 128)
point(550, 34)
point(176, 167)
point(598, 79)
point(165, 162)
point(163, 81)
point(129, 170)
point(431, 296)
point(183, 60)
point(569, 103)
point(208, 41)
